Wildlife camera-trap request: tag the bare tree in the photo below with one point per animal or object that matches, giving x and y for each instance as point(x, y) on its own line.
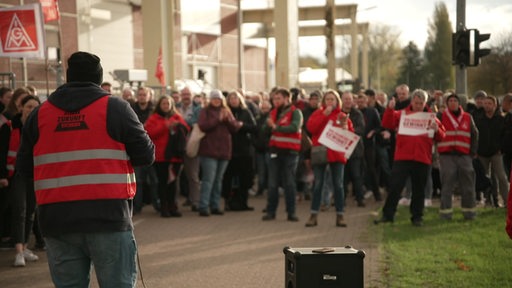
point(384, 55)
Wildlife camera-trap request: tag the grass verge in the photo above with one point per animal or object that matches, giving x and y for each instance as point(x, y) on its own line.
point(442, 253)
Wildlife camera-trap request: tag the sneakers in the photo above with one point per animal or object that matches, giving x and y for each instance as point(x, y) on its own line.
point(404, 201)
point(26, 255)
point(19, 260)
point(29, 255)
point(428, 202)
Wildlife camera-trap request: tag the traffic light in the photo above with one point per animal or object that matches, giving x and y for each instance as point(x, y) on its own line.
point(466, 49)
point(461, 48)
point(476, 39)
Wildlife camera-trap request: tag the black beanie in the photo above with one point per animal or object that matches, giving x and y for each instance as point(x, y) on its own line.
point(84, 67)
point(453, 95)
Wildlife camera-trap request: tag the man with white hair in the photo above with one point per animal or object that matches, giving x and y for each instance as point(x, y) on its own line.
point(413, 156)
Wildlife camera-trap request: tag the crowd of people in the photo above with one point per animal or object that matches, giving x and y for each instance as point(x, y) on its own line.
point(260, 144)
point(257, 143)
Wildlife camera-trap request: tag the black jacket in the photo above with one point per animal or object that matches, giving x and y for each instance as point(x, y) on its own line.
point(490, 134)
point(242, 138)
point(88, 216)
point(506, 146)
point(262, 135)
point(357, 119)
point(372, 121)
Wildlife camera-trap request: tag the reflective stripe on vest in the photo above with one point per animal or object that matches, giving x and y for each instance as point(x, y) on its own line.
point(80, 155)
point(458, 133)
point(84, 180)
point(76, 159)
point(285, 139)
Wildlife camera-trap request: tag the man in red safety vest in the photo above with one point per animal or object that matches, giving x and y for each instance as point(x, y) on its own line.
point(456, 153)
point(79, 148)
point(285, 123)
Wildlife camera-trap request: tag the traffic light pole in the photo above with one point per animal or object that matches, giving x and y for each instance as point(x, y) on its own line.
point(460, 70)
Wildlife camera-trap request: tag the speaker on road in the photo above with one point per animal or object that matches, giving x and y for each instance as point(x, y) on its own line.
point(336, 267)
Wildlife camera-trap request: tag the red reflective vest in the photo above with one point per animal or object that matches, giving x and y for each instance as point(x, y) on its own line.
point(458, 133)
point(75, 158)
point(290, 141)
point(14, 144)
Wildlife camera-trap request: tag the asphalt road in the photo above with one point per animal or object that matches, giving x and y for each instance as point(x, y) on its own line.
point(234, 250)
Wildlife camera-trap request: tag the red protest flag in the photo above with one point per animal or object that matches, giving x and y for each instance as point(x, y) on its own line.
point(50, 10)
point(160, 73)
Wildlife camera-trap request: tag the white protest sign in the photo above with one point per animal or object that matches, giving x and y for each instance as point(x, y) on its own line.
point(415, 124)
point(339, 139)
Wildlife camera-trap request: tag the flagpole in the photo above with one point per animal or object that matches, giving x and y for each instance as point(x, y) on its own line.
point(47, 73)
point(60, 52)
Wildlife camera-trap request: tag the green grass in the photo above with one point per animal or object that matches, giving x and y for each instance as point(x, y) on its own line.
point(442, 253)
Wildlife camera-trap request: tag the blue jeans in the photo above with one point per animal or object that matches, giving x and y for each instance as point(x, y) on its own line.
point(354, 173)
point(262, 170)
point(281, 170)
point(337, 180)
point(212, 172)
point(113, 254)
point(327, 187)
point(145, 174)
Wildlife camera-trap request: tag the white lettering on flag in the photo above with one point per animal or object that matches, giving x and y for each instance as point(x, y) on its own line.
point(22, 32)
point(17, 38)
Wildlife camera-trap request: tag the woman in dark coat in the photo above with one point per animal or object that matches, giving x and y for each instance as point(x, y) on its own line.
point(238, 178)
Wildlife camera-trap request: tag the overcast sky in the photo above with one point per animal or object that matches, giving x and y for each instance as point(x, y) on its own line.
point(411, 18)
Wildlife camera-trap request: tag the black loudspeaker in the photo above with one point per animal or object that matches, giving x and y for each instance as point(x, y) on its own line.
point(336, 267)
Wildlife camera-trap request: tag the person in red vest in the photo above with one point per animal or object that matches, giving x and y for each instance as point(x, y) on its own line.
point(78, 149)
point(413, 156)
point(285, 124)
point(456, 153)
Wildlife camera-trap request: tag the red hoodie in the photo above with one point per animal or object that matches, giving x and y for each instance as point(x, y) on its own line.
point(412, 148)
point(316, 124)
point(158, 130)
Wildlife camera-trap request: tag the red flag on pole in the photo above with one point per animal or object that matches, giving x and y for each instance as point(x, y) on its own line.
point(50, 10)
point(160, 73)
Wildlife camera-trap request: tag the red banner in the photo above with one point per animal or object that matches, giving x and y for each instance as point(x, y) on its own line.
point(159, 72)
point(22, 32)
point(50, 10)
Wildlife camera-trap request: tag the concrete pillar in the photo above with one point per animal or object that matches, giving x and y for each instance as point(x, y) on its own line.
point(330, 17)
point(366, 49)
point(354, 54)
point(287, 39)
point(241, 78)
point(158, 30)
